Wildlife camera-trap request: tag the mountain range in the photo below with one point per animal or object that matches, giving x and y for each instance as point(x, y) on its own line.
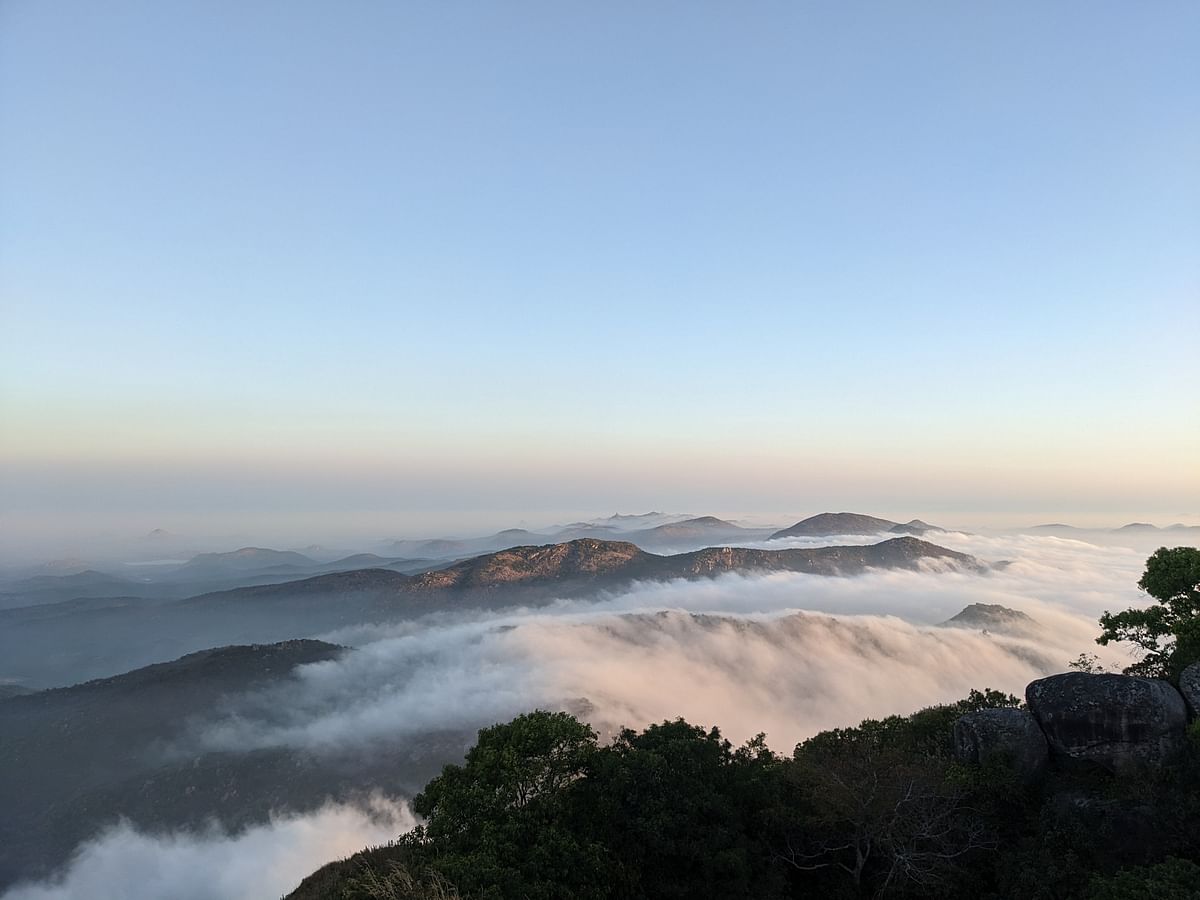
point(78, 639)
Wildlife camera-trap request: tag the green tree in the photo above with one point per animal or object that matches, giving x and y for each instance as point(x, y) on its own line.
point(684, 814)
point(499, 826)
point(1166, 633)
point(886, 818)
point(882, 809)
point(1172, 879)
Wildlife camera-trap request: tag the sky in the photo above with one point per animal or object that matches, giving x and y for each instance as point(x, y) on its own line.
point(414, 267)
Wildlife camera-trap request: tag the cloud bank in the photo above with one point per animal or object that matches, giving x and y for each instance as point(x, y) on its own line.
point(259, 863)
point(786, 653)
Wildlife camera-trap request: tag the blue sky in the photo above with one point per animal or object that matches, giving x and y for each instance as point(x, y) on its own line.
point(553, 256)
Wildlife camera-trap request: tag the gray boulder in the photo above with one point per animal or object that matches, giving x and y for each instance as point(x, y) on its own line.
point(1189, 686)
point(1118, 722)
point(1010, 735)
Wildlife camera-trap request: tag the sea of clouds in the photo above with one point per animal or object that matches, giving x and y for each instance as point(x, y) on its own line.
point(786, 654)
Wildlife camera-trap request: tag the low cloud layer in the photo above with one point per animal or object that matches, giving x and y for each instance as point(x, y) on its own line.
point(260, 863)
point(786, 653)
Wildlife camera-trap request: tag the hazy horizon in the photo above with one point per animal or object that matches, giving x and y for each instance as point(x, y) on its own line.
point(409, 269)
point(176, 535)
point(359, 286)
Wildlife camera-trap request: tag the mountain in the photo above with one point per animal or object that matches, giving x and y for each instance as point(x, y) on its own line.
point(1137, 526)
point(322, 586)
point(832, 524)
point(993, 617)
point(449, 548)
point(54, 588)
point(579, 530)
point(916, 526)
point(585, 558)
point(896, 553)
point(703, 530)
point(74, 759)
point(693, 527)
point(587, 561)
point(639, 521)
point(247, 559)
point(13, 690)
point(87, 639)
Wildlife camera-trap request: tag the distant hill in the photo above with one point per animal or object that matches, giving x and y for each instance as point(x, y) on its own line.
point(450, 548)
point(834, 524)
point(331, 583)
point(700, 530)
point(994, 617)
point(54, 588)
point(700, 526)
point(916, 526)
point(640, 521)
point(246, 559)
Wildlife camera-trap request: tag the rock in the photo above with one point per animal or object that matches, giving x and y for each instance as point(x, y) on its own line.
point(1009, 734)
point(1189, 686)
point(1118, 722)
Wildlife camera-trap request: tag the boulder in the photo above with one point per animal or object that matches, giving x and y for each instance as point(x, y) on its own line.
point(1011, 735)
point(1118, 722)
point(1189, 686)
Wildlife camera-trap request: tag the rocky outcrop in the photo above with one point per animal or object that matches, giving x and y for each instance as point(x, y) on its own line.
point(1009, 736)
point(1118, 722)
point(1189, 686)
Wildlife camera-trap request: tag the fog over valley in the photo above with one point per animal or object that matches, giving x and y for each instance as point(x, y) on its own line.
point(541, 451)
point(401, 659)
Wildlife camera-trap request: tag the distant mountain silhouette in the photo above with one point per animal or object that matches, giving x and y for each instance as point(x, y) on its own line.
point(834, 524)
point(916, 526)
point(246, 559)
point(332, 583)
point(701, 528)
point(56, 588)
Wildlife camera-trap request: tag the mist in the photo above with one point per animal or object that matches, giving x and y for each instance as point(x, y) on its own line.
point(787, 654)
point(259, 863)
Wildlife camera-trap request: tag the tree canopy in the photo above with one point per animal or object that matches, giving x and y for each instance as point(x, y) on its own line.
point(1167, 633)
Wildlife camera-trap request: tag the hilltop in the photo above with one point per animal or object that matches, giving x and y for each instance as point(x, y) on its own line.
point(993, 617)
point(845, 523)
